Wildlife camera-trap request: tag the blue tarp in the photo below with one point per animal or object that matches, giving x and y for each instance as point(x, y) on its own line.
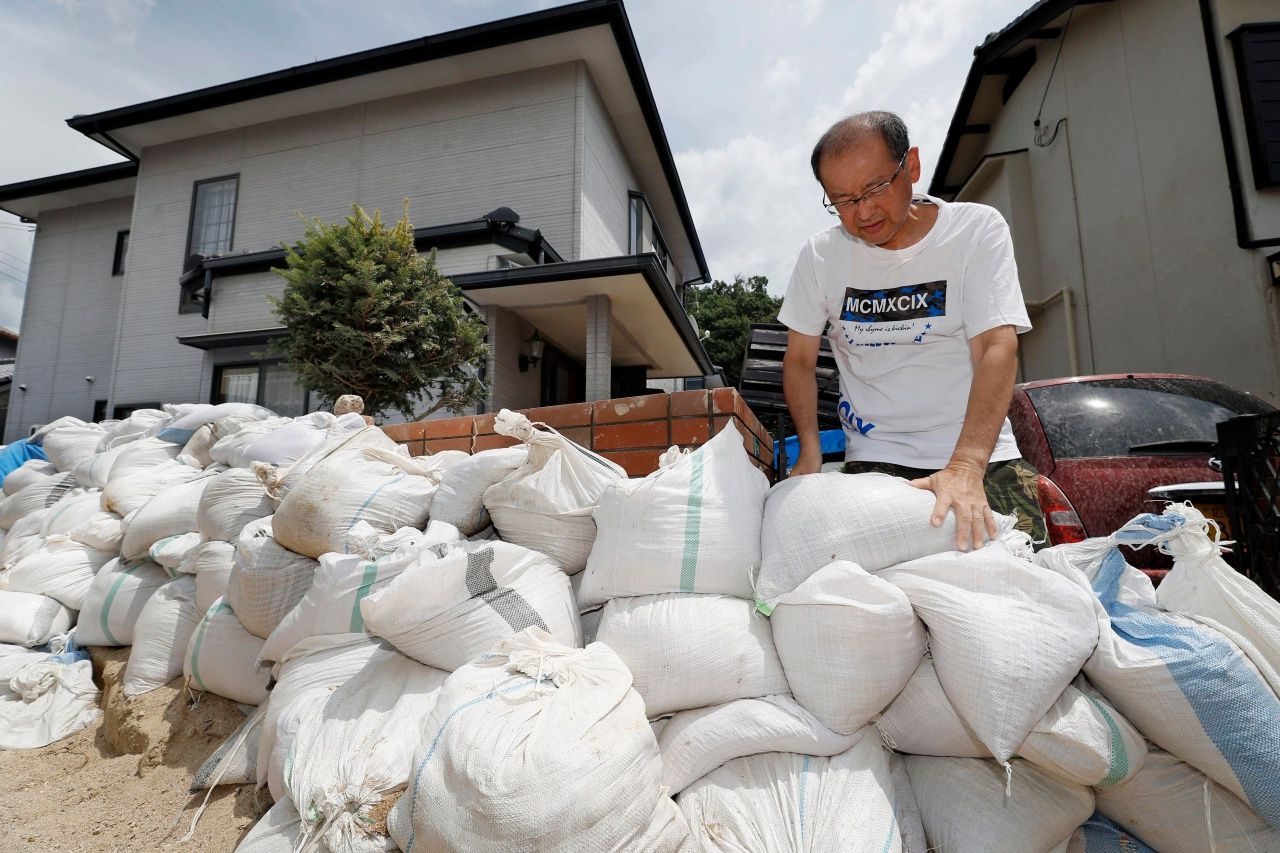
point(832, 442)
point(13, 455)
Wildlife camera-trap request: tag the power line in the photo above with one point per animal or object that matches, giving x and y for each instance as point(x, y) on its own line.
point(12, 267)
point(21, 281)
point(16, 258)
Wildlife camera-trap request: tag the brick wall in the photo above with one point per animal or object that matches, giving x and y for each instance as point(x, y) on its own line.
point(631, 431)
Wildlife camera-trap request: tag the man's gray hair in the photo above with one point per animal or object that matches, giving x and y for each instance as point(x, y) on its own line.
point(850, 131)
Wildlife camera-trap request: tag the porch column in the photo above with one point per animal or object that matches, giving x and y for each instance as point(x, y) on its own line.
point(491, 363)
point(599, 348)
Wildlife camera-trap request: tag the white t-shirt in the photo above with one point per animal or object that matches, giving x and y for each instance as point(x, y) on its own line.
point(900, 322)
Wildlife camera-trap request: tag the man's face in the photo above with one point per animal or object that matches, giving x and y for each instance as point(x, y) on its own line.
point(879, 219)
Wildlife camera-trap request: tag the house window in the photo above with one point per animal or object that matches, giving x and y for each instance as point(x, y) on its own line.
point(213, 217)
point(645, 237)
point(1257, 52)
point(122, 252)
point(263, 383)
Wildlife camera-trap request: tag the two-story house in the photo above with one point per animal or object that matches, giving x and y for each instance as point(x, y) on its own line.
point(534, 160)
point(1134, 148)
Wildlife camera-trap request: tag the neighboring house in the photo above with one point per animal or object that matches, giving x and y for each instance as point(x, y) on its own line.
point(1145, 208)
point(8, 344)
point(148, 277)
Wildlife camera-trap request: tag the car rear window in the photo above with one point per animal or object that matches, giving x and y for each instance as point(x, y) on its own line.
point(1107, 417)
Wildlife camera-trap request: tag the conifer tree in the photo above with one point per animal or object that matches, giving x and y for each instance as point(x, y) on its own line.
point(366, 314)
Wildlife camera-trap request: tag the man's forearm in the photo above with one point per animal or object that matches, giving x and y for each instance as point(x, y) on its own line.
point(988, 405)
point(800, 387)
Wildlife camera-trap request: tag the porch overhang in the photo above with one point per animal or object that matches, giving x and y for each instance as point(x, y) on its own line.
point(650, 326)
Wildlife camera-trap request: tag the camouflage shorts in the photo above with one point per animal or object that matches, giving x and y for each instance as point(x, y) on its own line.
point(1010, 487)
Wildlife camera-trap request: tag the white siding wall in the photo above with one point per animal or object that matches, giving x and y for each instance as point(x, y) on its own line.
point(456, 153)
point(69, 315)
point(607, 177)
point(1131, 206)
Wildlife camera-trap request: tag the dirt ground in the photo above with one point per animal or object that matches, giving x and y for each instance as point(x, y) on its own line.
point(121, 784)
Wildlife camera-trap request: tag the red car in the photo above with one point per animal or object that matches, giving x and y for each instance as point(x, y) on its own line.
point(1101, 443)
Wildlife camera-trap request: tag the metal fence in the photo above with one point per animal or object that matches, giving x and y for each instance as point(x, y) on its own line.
point(1249, 447)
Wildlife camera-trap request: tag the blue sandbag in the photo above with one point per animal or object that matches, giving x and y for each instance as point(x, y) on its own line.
point(15, 455)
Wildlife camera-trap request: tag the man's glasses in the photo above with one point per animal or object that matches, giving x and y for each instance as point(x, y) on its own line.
point(834, 207)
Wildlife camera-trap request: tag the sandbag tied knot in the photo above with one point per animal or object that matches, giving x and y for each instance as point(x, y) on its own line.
point(36, 679)
point(514, 425)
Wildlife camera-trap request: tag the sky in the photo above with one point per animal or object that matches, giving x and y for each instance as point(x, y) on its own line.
point(744, 88)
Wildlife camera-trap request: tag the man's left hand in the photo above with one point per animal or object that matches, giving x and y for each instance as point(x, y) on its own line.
point(959, 487)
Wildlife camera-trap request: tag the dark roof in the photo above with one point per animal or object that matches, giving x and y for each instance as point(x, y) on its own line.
point(6, 371)
point(508, 31)
point(995, 57)
point(8, 334)
point(69, 180)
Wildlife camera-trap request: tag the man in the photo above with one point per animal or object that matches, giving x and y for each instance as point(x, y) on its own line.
point(923, 306)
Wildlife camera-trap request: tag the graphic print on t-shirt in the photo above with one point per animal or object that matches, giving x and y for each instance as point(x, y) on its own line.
point(910, 302)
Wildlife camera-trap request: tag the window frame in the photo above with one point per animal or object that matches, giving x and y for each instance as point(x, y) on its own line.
point(261, 390)
point(191, 214)
point(633, 237)
point(120, 259)
point(1264, 175)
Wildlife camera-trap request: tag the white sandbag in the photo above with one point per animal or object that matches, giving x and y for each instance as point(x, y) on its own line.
point(35, 497)
point(331, 605)
point(31, 471)
point(848, 642)
point(971, 805)
point(686, 650)
point(385, 489)
point(94, 471)
point(172, 550)
point(905, 808)
point(280, 479)
point(549, 743)
point(1176, 809)
point(47, 702)
point(691, 526)
point(318, 662)
point(235, 761)
point(222, 658)
point(267, 579)
point(196, 451)
point(171, 512)
point(1101, 835)
point(134, 490)
point(22, 540)
point(1006, 636)
point(296, 438)
point(547, 503)
point(62, 568)
point(70, 512)
point(460, 498)
point(38, 435)
point(161, 636)
point(1202, 585)
point(102, 530)
point(357, 746)
point(233, 499)
point(69, 446)
point(922, 721)
point(115, 601)
point(693, 743)
point(369, 543)
point(235, 435)
point(873, 520)
point(27, 619)
point(1082, 739)
point(211, 563)
point(140, 455)
point(785, 801)
point(135, 427)
point(1189, 686)
point(443, 611)
point(278, 831)
point(181, 428)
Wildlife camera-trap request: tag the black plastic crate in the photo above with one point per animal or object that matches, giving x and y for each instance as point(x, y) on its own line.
point(1249, 447)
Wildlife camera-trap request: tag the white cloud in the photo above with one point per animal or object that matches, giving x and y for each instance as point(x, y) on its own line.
point(784, 71)
point(121, 17)
point(810, 10)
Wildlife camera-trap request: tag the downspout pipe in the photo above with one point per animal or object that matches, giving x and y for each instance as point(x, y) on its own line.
point(1244, 239)
point(1037, 306)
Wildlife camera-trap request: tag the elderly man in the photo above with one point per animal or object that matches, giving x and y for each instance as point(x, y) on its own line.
point(921, 302)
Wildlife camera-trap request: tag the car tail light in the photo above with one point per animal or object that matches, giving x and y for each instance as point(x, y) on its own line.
point(1059, 515)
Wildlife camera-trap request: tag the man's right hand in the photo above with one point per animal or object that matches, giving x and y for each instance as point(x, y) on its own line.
point(809, 462)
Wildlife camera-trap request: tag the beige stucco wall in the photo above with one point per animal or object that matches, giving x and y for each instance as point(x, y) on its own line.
point(1129, 205)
